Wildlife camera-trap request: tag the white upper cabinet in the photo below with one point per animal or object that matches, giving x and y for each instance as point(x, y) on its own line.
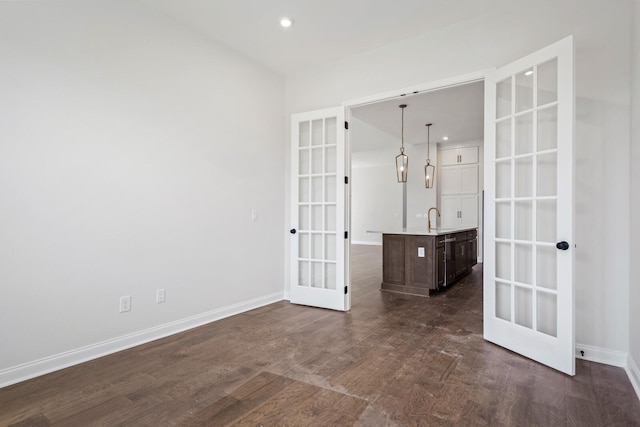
point(459, 156)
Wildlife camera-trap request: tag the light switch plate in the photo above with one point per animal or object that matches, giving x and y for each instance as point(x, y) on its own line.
point(420, 252)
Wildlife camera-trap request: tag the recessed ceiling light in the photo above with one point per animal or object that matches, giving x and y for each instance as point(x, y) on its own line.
point(286, 22)
point(445, 138)
point(528, 73)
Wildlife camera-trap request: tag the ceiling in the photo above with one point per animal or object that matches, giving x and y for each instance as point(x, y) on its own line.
point(323, 30)
point(456, 112)
point(330, 30)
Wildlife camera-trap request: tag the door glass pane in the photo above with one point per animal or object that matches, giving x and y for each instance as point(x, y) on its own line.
point(548, 128)
point(546, 219)
point(524, 264)
point(316, 217)
point(330, 159)
point(503, 220)
point(524, 134)
point(547, 175)
point(503, 301)
point(524, 91)
point(316, 132)
point(303, 162)
point(330, 247)
point(548, 82)
point(316, 189)
point(303, 189)
point(503, 260)
point(316, 274)
point(330, 130)
point(503, 98)
point(547, 313)
point(524, 307)
point(524, 171)
point(303, 245)
point(503, 180)
point(330, 276)
point(303, 217)
point(316, 246)
point(524, 220)
point(547, 267)
point(330, 218)
point(503, 139)
point(303, 273)
point(330, 188)
point(316, 159)
point(303, 134)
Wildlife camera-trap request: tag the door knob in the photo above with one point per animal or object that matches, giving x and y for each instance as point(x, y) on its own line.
point(292, 231)
point(563, 246)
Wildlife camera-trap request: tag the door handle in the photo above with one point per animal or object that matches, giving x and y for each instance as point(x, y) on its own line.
point(563, 246)
point(292, 231)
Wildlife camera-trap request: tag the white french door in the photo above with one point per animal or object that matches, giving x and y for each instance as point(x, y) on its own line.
point(318, 209)
point(528, 279)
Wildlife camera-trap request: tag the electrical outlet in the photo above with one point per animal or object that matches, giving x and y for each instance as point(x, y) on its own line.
point(254, 215)
point(160, 296)
point(125, 303)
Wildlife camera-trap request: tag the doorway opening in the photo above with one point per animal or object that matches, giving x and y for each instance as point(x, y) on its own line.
point(378, 202)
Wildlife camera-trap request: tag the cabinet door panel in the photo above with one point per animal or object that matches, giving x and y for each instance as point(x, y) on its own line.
point(468, 179)
point(449, 209)
point(451, 181)
point(440, 265)
point(449, 157)
point(469, 209)
point(469, 155)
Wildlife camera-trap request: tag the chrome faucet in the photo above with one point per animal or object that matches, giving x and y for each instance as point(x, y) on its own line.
point(429, 218)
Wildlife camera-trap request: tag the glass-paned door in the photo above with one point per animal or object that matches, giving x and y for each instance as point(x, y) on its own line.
point(318, 241)
point(528, 280)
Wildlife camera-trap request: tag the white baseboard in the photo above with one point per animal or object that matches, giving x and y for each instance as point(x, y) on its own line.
point(614, 358)
point(56, 362)
point(365, 242)
point(634, 374)
point(601, 355)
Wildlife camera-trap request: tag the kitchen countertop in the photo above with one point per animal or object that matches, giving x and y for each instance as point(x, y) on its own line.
point(422, 231)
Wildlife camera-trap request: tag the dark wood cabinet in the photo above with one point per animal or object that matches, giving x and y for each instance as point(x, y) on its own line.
point(440, 264)
point(421, 264)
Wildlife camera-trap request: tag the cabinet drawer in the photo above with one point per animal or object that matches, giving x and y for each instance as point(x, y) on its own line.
point(472, 234)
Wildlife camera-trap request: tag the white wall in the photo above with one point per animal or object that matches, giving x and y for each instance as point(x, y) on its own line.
point(634, 297)
point(376, 196)
point(419, 198)
point(602, 40)
point(131, 155)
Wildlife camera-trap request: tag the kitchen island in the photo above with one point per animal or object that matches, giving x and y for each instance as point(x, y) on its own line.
point(421, 262)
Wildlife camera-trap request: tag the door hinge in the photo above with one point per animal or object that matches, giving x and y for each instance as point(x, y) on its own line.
point(346, 125)
point(346, 179)
point(345, 290)
point(346, 234)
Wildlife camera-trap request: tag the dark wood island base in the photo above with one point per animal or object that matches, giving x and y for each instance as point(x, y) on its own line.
point(421, 265)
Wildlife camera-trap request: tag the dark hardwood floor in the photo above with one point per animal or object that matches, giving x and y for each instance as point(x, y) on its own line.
point(394, 360)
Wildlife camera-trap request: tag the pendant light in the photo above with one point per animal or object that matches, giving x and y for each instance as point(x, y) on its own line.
point(402, 160)
point(429, 169)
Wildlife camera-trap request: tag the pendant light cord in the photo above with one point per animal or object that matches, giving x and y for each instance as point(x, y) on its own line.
point(402, 130)
point(428, 125)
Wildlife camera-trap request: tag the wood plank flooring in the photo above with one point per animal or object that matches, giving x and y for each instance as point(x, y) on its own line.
point(394, 360)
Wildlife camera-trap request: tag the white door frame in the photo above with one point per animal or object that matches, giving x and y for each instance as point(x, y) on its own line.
point(385, 96)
